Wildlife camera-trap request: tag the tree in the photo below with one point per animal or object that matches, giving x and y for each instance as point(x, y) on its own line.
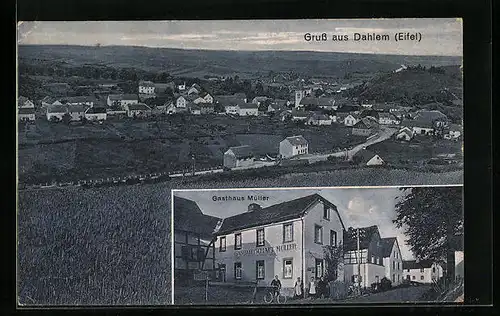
point(66, 118)
point(433, 220)
point(334, 259)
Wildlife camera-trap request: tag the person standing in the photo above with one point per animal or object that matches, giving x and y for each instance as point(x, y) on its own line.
point(312, 288)
point(276, 285)
point(321, 288)
point(299, 289)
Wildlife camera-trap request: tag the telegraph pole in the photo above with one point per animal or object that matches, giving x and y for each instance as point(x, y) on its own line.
point(359, 261)
point(192, 157)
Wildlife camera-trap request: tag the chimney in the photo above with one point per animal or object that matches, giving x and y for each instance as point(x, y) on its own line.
point(254, 207)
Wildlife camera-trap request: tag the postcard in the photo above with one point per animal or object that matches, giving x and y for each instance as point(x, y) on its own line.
point(114, 115)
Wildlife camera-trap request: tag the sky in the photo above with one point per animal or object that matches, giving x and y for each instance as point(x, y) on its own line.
point(358, 207)
point(440, 37)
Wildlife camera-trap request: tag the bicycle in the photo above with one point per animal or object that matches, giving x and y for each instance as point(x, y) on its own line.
point(273, 296)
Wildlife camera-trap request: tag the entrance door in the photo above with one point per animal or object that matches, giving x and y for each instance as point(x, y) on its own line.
point(319, 268)
point(408, 277)
point(222, 272)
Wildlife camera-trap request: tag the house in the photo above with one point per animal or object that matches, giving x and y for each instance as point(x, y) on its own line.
point(365, 261)
point(25, 114)
point(393, 262)
point(122, 99)
point(419, 127)
point(322, 102)
point(86, 101)
point(286, 239)
point(248, 109)
point(181, 87)
point(181, 102)
point(232, 109)
point(404, 134)
point(437, 118)
point(207, 97)
point(207, 108)
point(367, 158)
point(96, 114)
point(259, 100)
point(423, 271)
point(385, 118)
point(47, 101)
point(77, 112)
point(194, 247)
point(194, 89)
point(299, 116)
point(365, 127)
point(285, 115)
point(56, 112)
point(146, 87)
point(24, 103)
point(194, 109)
point(319, 119)
point(115, 111)
point(350, 120)
point(453, 131)
point(293, 146)
point(240, 156)
point(138, 110)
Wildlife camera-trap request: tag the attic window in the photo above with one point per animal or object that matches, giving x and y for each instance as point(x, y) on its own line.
point(326, 212)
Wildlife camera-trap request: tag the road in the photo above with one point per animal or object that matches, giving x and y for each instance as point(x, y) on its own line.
point(383, 134)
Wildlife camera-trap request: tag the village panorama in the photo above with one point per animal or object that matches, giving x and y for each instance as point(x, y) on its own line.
point(90, 116)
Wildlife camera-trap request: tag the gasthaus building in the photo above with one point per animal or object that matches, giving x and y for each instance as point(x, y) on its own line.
point(285, 239)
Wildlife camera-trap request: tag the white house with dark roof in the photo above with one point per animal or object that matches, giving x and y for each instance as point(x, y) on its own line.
point(319, 119)
point(293, 146)
point(367, 158)
point(146, 87)
point(404, 134)
point(25, 114)
point(393, 261)
point(77, 112)
point(122, 99)
point(87, 101)
point(96, 114)
point(423, 271)
point(195, 89)
point(434, 117)
point(239, 156)
point(350, 120)
point(385, 118)
point(285, 239)
point(56, 112)
point(23, 102)
point(138, 110)
point(181, 101)
point(248, 109)
point(419, 127)
point(194, 249)
point(365, 127)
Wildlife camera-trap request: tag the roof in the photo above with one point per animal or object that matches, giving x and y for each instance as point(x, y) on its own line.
point(138, 107)
point(260, 98)
point(365, 237)
point(55, 108)
point(454, 127)
point(79, 99)
point(96, 110)
point(298, 140)
point(320, 117)
point(242, 151)
point(365, 155)
point(387, 115)
point(22, 100)
point(429, 116)
point(275, 213)
point(387, 245)
point(144, 83)
point(189, 217)
point(26, 111)
point(406, 131)
point(123, 97)
point(413, 264)
point(76, 108)
point(243, 105)
point(417, 123)
point(300, 113)
point(366, 123)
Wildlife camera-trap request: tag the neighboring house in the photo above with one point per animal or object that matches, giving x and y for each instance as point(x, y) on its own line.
point(322, 102)
point(240, 156)
point(86, 101)
point(194, 109)
point(56, 112)
point(293, 146)
point(161, 88)
point(25, 114)
point(181, 102)
point(436, 118)
point(47, 101)
point(286, 239)
point(285, 115)
point(96, 114)
point(453, 131)
point(258, 100)
point(146, 87)
point(350, 120)
point(365, 127)
point(369, 256)
point(171, 108)
point(300, 116)
point(25, 103)
point(122, 99)
point(319, 119)
point(424, 271)
point(138, 110)
point(232, 109)
point(404, 134)
point(182, 87)
point(248, 109)
point(194, 247)
point(207, 108)
point(385, 118)
point(393, 262)
point(419, 127)
point(77, 112)
point(207, 97)
point(194, 89)
point(367, 158)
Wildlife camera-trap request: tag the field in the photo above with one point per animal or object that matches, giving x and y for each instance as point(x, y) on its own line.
point(52, 151)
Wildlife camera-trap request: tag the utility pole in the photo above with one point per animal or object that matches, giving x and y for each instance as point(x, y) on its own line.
point(192, 157)
point(359, 261)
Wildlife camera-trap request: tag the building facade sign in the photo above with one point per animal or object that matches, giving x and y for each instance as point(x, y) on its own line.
point(266, 250)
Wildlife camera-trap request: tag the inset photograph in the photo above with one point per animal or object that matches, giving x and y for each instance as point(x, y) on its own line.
point(318, 245)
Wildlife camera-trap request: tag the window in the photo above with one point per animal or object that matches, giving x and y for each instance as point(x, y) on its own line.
point(237, 270)
point(237, 241)
point(318, 234)
point(260, 268)
point(393, 278)
point(378, 260)
point(408, 270)
point(333, 238)
point(398, 277)
point(398, 265)
point(422, 270)
point(394, 265)
point(222, 244)
point(376, 279)
point(433, 270)
point(319, 268)
point(413, 277)
point(326, 212)
point(288, 232)
point(288, 268)
point(194, 253)
point(260, 237)
point(373, 259)
point(421, 277)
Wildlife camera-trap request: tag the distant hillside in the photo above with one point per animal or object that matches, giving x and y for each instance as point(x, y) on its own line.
point(415, 85)
point(197, 63)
